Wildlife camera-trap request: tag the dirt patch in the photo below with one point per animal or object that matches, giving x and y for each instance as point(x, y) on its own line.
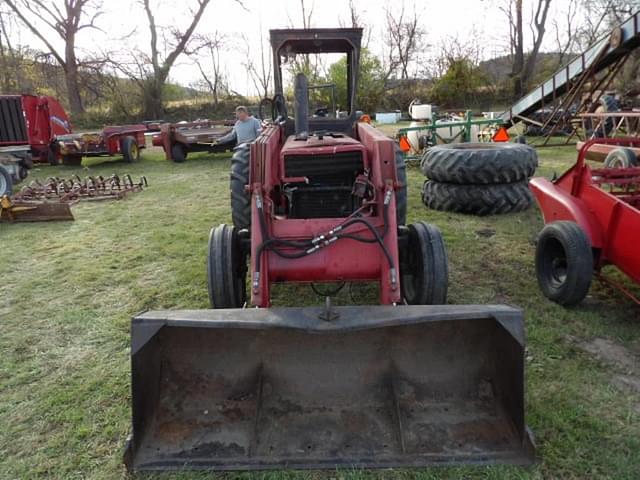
point(619, 357)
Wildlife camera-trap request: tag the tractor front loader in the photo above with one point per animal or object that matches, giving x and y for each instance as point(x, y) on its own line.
point(410, 382)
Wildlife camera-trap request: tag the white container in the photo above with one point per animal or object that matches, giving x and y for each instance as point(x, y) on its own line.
point(420, 112)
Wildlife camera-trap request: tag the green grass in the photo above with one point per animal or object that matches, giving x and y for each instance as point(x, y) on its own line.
point(68, 290)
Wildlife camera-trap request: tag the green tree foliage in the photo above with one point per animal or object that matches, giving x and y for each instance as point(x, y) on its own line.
point(459, 85)
point(370, 84)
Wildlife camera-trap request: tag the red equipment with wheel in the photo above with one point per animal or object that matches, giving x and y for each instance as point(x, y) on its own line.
point(592, 219)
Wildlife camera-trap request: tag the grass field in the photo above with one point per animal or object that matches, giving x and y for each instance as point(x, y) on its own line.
point(68, 290)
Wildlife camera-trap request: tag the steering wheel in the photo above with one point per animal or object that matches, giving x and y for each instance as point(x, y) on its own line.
point(279, 109)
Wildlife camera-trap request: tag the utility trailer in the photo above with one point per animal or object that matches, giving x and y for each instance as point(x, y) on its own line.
point(592, 218)
point(125, 140)
point(178, 139)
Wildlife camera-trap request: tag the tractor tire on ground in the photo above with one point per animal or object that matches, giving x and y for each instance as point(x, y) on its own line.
point(240, 198)
point(564, 262)
point(477, 199)
point(72, 160)
point(6, 182)
point(52, 158)
point(424, 271)
point(621, 158)
point(130, 150)
point(480, 163)
point(178, 152)
point(226, 268)
point(401, 193)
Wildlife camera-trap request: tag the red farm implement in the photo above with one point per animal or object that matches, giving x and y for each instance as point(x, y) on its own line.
point(179, 139)
point(592, 219)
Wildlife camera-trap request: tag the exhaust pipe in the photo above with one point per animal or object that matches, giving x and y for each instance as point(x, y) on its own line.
point(301, 107)
point(376, 387)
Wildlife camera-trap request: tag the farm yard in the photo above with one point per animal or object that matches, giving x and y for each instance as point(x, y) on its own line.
point(300, 239)
point(69, 290)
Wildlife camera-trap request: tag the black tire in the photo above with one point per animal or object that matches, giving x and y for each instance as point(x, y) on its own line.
point(130, 150)
point(226, 268)
point(6, 182)
point(477, 199)
point(424, 271)
point(480, 163)
point(621, 158)
point(52, 157)
point(72, 160)
point(240, 198)
point(564, 263)
point(178, 152)
point(401, 192)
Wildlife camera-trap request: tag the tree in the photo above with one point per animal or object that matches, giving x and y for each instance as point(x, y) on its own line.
point(261, 73)
point(43, 17)
point(155, 80)
point(404, 40)
point(370, 82)
point(211, 45)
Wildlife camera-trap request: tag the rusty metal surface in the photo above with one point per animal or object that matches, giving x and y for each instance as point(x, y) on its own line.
point(33, 211)
point(378, 387)
point(93, 188)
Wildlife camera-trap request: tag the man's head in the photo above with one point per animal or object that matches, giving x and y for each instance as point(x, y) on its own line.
point(242, 113)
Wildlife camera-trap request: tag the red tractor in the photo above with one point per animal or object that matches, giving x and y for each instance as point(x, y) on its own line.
point(409, 382)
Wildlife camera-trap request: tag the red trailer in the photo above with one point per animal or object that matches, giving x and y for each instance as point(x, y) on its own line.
point(592, 219)
point(126, 140)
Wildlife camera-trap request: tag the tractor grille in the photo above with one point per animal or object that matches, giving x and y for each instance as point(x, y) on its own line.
point(344, 163)
point(13, 128)
point(327, 194)
point(322, 202)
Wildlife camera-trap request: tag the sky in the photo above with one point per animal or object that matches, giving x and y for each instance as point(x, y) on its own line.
point(124, 25)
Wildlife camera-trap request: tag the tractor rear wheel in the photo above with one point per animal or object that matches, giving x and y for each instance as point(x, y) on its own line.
point(401, 193)
point(564, 262)
point(424, 271)
point(178, 152)
point(621, 158)
point(6, 183)
point(226, 268)
point(130, 150)
point(240, 198)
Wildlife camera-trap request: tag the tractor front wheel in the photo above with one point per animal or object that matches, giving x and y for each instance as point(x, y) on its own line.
point(424, 272)
point(226, 268)
point(564, 262)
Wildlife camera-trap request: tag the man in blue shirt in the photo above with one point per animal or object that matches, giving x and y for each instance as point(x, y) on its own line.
point(246, 129)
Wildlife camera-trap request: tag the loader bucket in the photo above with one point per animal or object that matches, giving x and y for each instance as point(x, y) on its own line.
point(374, 387)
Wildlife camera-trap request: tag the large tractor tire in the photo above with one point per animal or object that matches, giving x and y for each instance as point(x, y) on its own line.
point(240, 198)
point(226, 268)
point(178, 152)
point(424, 271)
point(130, 150)
point(401, 193)
point(621, 158)
point(6, 182)
point(480, 163)
point(564, 262)
point(477, 199)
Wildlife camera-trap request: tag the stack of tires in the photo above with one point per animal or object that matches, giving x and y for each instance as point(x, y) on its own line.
point(479, 178)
